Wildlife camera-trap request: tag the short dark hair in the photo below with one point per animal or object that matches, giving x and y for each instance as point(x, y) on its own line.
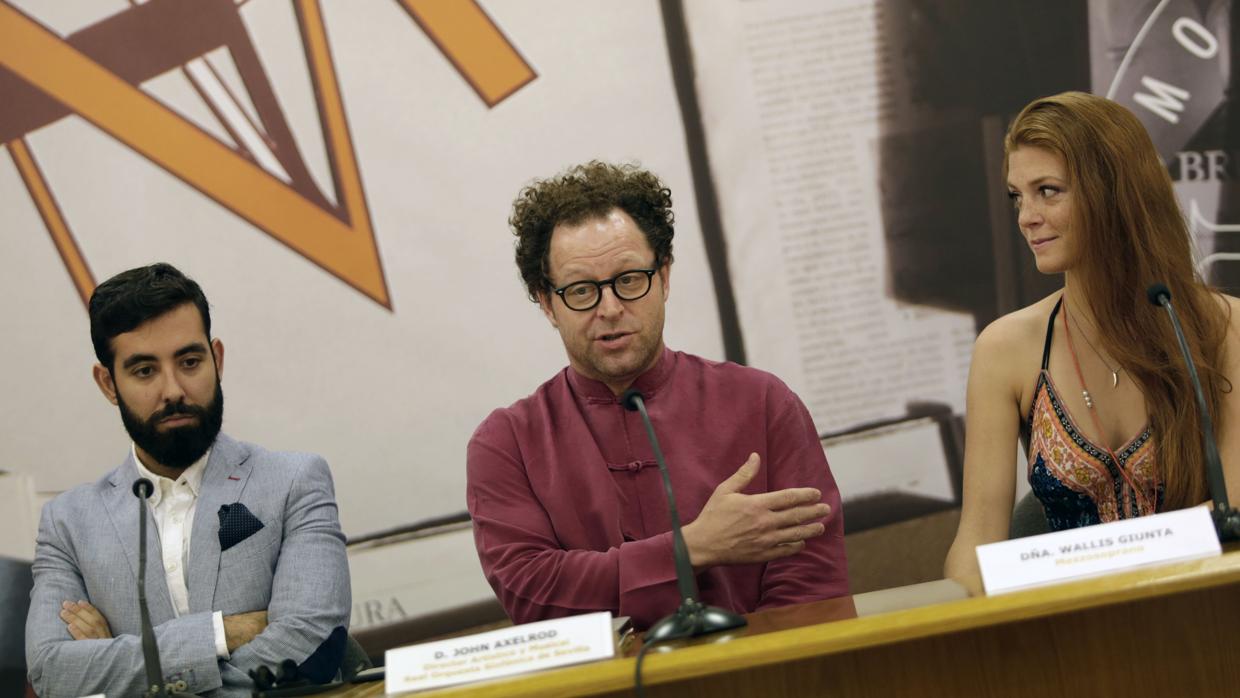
point(133, 297)
point(580, 193)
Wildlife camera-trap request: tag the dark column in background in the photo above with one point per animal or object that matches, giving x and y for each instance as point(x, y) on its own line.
point(967, 68)
point(680, 55)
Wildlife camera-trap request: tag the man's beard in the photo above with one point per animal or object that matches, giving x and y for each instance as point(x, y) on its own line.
point(178, 447)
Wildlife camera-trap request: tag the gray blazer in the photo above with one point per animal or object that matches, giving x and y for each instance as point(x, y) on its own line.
point(294, 567)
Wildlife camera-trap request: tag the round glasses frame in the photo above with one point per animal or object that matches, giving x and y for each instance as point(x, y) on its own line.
point(598, 289)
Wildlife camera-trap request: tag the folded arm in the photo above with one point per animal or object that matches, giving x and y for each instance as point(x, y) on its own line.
point(307, 618)
point(60, 665)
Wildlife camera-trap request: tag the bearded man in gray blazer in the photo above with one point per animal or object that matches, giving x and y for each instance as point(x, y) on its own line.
point(246, 561)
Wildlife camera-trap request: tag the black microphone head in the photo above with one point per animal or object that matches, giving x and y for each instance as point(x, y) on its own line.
point(289, 671)
point(630, 398)
point(143, 488)
point(1157, 292)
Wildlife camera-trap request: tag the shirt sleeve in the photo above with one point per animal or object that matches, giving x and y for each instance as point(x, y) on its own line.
point(533, 576)
point(221, 640)
point(820, 570)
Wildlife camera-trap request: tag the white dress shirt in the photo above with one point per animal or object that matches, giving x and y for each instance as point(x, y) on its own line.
point(172, 505)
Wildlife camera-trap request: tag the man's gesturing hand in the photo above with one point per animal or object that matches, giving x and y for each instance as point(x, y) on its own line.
point(736, 528)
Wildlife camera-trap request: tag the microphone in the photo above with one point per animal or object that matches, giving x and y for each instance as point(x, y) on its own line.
point(693, 618)
point(1226, 519)
point(143, 488)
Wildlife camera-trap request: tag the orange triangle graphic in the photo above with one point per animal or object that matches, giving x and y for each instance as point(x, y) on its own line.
point(338, 239)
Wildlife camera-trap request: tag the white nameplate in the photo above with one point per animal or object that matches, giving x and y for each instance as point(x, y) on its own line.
point(489, 655)
point(1092, 551)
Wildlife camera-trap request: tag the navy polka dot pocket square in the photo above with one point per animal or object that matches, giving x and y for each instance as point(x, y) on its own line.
point(236, 524)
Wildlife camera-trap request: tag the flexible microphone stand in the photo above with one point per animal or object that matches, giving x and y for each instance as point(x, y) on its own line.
point(1226, 518)
point(142, 488)
point(693, 618)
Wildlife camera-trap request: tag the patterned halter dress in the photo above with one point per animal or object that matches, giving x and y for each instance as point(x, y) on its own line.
point(1077, 481)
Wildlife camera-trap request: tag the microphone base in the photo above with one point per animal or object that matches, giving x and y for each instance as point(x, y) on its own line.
point(1226, 523)
point(691, 620)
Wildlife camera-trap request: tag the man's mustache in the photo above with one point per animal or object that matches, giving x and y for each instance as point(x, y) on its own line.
point(177, 409)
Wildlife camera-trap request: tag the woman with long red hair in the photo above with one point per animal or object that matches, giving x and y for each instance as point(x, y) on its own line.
point(1090, 378)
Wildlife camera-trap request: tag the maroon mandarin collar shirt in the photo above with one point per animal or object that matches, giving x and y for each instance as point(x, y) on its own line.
point(568, 505)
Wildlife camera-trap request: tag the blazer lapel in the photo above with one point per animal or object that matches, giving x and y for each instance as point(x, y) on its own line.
point(228, 470)
point(122, 507)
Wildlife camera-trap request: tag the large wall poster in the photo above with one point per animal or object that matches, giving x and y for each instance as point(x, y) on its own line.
point(338, 176)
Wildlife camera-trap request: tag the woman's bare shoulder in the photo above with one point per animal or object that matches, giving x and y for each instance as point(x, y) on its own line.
point(1020, 329)
point(1231, 305)
point(1007, 354)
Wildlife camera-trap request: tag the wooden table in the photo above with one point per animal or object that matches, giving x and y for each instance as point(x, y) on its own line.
point(1164, 631)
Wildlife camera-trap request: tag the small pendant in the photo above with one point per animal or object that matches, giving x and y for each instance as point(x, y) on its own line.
point(1115, 378)
point(1089, 402)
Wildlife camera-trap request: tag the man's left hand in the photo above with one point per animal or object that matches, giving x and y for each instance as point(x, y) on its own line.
point(85, 621)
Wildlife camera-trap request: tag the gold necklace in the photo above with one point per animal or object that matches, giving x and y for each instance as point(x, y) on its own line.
point(1114, 371)
point(1152, 506)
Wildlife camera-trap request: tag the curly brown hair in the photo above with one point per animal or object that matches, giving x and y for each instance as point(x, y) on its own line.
point(580, 193)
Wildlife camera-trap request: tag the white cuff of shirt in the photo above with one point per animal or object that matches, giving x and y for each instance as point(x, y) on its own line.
point(221, 640)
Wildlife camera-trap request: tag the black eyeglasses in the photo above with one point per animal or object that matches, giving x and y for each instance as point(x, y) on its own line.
point(627, 285)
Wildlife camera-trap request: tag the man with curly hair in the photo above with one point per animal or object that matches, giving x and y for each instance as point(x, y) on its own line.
point(567, 500)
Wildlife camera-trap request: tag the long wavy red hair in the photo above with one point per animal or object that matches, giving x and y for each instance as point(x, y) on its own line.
point(1133, 234)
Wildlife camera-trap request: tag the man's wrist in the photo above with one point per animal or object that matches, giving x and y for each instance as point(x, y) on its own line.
point(697, 554)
